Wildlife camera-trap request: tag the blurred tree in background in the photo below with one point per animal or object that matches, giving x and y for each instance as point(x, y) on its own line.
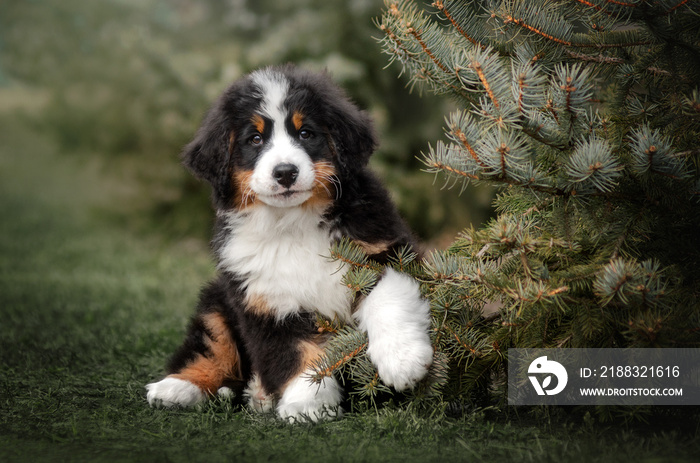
point(129, 81)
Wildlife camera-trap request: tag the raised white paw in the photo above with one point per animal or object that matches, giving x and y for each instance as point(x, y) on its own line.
point(172, 392)
point(304, 400)
point(397, 318)
point(258, 400)
point(401, 364)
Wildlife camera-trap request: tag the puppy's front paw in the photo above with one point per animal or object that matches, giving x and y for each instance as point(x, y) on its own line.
point(397, 318)
point(305, 400)
point(401, 364)
point(172, 392)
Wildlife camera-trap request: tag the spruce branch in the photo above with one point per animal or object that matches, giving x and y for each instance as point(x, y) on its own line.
point(462, 127)
point(415, 33)
point(399, 50)
point(594, 6)
point(403, 259)
point(444, 167)
point(528, 85)
point(619, 3)
point(507, 19)
point(676, 6)
point(625, 279)
point(600, 58)
point(325, 325)
point(465, 342)
point(571, 94)
point(435, 165)
point(351, 253)
point(323, 370)
point(601, 41)
point(361, 280)
point(347, 345)
point(592, 167)
point(440, 5)
point(653, 153)
point(477, 66)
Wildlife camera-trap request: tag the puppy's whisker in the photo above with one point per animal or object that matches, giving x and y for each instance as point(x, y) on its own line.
point(338, 187)
point(325, 174)
point(248, 194)
point(320, 182)
point(330, 178)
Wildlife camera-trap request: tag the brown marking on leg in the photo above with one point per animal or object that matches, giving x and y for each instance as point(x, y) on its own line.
point(258, 122)
point(310, 352)
point(221, 362)
point(244, 195)
point(297, 120)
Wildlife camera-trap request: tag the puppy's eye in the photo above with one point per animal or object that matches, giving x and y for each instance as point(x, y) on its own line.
point(305, 134)
point(256, 140)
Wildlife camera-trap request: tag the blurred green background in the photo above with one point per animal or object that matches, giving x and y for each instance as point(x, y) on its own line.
point(123, 84)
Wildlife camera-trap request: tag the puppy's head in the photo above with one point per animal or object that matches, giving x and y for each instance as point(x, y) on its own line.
point(283, 137)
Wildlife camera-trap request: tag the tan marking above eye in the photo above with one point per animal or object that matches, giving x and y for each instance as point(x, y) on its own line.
point(297, 120)
point(231, 139)
point(258, 122)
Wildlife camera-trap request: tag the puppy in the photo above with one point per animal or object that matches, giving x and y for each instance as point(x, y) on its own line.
point(286, 155)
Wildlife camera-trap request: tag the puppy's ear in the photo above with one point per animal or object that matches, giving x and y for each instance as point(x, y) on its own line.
point(352, 134)
point(208, 155)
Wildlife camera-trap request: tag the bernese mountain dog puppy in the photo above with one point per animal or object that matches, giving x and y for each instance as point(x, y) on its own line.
point(286, 154)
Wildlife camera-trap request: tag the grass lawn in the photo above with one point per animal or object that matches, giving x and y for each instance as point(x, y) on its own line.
point(90, 309)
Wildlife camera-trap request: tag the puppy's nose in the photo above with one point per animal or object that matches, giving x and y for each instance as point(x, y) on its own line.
point(285, 174)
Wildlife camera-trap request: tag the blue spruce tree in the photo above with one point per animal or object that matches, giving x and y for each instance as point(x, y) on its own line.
point(586, 115)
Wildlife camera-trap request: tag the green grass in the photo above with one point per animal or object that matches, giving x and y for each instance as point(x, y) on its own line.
point(90, 310)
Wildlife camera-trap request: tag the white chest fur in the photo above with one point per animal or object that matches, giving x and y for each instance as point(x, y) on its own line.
point(282, 255)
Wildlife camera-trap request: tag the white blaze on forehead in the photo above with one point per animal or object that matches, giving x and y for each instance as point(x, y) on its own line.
point(273, 90)
point(281, 148)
